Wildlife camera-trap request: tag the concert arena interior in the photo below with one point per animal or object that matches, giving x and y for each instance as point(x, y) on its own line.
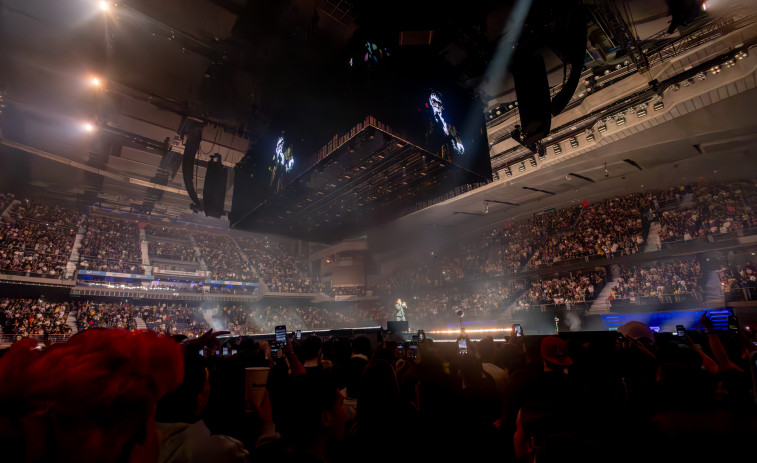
point(336, 231)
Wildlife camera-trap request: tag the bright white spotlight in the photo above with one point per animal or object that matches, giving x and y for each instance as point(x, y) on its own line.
point(88, 127)
point(104, 5)
point(96, 81)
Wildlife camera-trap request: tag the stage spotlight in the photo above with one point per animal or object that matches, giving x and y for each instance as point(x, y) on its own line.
point(104, 6)
point(87, 127)
point(96, 81)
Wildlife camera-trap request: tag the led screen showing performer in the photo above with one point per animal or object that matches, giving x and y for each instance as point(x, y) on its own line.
point(283, 155)
point(283, 162)
point(454, 129)
point(452, 143)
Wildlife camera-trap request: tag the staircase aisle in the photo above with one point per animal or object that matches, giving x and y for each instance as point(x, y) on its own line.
point(73, 258)
point(208, 316)
point(144, 247)
point(600, 304)
point(653, 238)
point(6, 212)
point(687, 201)
point(71, 322)
point(203, 265)
point(141, 325)
point(713, 290)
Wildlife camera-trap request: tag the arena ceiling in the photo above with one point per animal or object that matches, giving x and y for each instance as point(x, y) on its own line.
point(254, 68)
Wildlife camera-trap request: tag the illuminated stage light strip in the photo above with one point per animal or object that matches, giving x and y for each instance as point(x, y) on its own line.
point(483, 330)
point(472, 340)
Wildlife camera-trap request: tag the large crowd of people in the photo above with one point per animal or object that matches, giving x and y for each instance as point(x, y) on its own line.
point(106, 315)
point(610, 228)
point(567, 289)
point(281, 272)
point(714, 209)
point(739, 281)
point(662, 280)
point(28, 317)
point(121, 396)
point(36, 239)
point(167, 232)
point(173, 250)
point(222, 257)
point(174, 319)
point(111, 245)
point(738, 276)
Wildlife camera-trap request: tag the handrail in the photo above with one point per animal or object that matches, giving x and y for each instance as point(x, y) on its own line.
point(663, 298)
point(13, 337)
point(741, 294)
point(31, 274)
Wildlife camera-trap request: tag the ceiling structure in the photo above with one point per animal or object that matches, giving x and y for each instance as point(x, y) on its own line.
point(250, 70)
point(372, 178)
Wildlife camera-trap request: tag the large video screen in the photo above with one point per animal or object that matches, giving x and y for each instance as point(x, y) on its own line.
point(452, 127)
point(265, 169)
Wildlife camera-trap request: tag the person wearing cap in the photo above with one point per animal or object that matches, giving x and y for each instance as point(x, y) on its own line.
point(554, 354)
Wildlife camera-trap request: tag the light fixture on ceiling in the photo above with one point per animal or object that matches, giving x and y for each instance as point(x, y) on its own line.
point(607, 173)
point(658, 106)
point(508, 172)
point(641, 112)
point(557, 148)
point(602, 128)
point(590, 137)
point(88, 127)
point(532, 160)
point(522, 167)
point(104, 6)
point(573, 142)
point(620, 120)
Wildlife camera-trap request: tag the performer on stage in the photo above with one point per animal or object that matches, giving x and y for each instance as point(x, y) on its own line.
point(400, 310)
